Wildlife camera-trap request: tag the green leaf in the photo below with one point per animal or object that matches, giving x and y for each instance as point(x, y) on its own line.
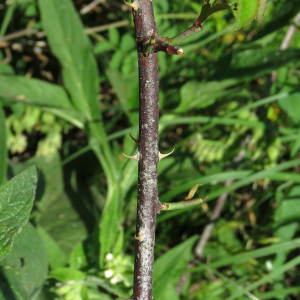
point(66, 274)
point(56, 256)
point(255, 62)
point(8, 16)
point(5, 67)
point(56, 213)
point(196, 94)
point(290, 105)
point(246, 12)
point(296, 147)
point(46, 96)
point(16, 200)
point(127, 90)
point(287, 215)
point(78, 258)
point(165, 275)
point(208, 9)
point(25, 269)
point(261, 10)
point(114, 36)
point(109, 223)
point(103, 47)
point(69, 43)
point(3, 151)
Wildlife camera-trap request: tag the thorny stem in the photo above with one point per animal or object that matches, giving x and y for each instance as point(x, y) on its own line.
point(148, 43)
point(148, 155)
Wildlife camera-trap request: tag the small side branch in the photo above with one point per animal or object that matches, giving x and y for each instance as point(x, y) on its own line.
point(206, 11)
point(181, 205)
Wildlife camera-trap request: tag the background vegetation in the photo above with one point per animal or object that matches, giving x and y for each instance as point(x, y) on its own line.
point(68, 108)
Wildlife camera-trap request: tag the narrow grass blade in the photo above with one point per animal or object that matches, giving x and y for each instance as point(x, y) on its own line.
point(240, 258)
point(272, 275)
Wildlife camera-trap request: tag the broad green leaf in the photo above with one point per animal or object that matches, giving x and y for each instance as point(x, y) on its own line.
point(255, 62)
point(114, 36)
point(103, 47)
point(246, 12)
point(296, 147)
point(66, 274)
point(25, 268)
point(78, 258)
point(287, 215)
point(290, 105)
point(69, 43)
point(127, 90)
point(5, 68)
point(196, 94)
point(63, 223)
point(56, 213)
point(165, 276)
point(16, 200)
point(56, 256)
point(3, 151)
point(46, 96)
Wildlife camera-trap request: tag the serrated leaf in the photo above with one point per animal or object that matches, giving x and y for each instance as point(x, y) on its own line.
point(16, 200)
point(46, 96)
point(3, 151)
point(261, 10)
point(69, 43)
point(246, 12)
point(26, 267)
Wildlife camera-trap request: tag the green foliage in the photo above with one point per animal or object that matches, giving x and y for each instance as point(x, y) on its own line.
point(24, 270)
point(216, 102)
point(16, 200)
point(165, 275)
point(64, 30)
point(3, 151)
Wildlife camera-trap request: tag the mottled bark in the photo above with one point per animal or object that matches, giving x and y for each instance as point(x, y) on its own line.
point(148, 154)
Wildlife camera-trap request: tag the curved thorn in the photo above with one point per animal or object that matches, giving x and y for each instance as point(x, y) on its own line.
point(137, 141)
point(135, 157)
point(134, 4)
point(161, 156)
